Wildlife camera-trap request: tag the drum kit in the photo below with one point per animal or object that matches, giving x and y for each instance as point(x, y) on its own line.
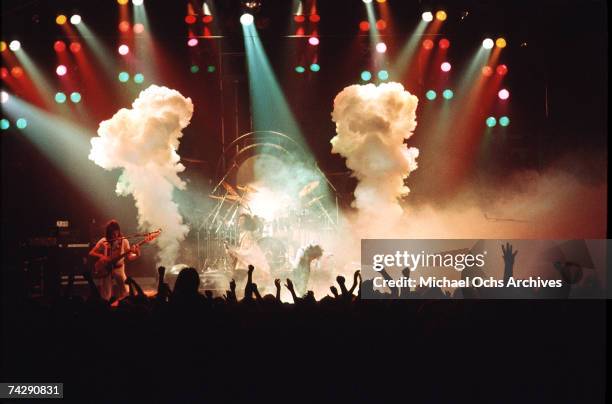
point(279, 236)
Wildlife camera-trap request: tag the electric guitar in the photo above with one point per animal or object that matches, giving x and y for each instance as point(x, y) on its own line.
point(104, 266)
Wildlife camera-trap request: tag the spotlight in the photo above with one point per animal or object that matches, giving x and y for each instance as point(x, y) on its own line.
point(3, 46)
point(4, 97)
point(444, 43)
point(207, 19)
point(366, 75)
point(59, 46)
point(61, 70)
point(75, 47)
point(367, 1)
point(138, 28)
point(75, 97)
point(124, 26)
point(381, 47)
point(61, 19)
point(14, 46)
point(124, 77)
point(138, 78)
point(298, 18)
point(137, 2)
point(491, 122)
point(431, 95)
point(60, 98)
point(364, 26)
point(315, 67)
point(487, 43)
point(21, 123)
point(17, 72)
point(75, 19)
point(194, 69)
point(252, 5)
point(192, 42)
point(190, 19)
point(313, 40)
point(381, 25)
point(500, 42)
point(427, 16)
point(503, 94)
point(428, 44)
point(246, 19)
point(314, 18)
point(487, 71)
point(448, 94)
point(445, 67)
point(4, 72)
point(4, 124)
point(441, 15)
point(504, 121)
point(383, 75)
point(502, 70)
point(123, 50)
point(300, 69)
point(122, 2)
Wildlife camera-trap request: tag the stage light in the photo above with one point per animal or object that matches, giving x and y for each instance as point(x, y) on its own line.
point(504, 121)
point(14, 46)
point(61, 19)
point(315, 67)
point(17, 72)
point(59, 46)
point(124, 26)
point(192, 42)
point(500, 42)
point(3, 46)
point(314, 18)
point(137, 2)
point(431, 95)
point(428, 44)
point(491, 122)
point(138, 78)
point(381, 25)
point(246, 19)
point(381, 47)
point(364, 26)
point(123, 2)
point(190, 19)
point(207, 19)
point(300, 69)
point(75, 97)
point(383, 75)
point(211, 69)
point(445, 67)
point(75, 19)
point(252, 5)
point(4, 72)
point(487, 43)
point(123, 50)
point(441, 15)
point(138, 28)
point(298, 18)
point(61, 70)
point(366, 75)
point(503, 94)
point(502, 70)
point(21, 123)
point(367, 1)
point(444, 43)
point(4, 97)
point(4, 124)
point(427, 16)
point(381, 1)
point(60, 98)
point(487, 71)
point(313, 40)
point(448, 94)
point(194, 69)
point(124, 77)
point(75, 47)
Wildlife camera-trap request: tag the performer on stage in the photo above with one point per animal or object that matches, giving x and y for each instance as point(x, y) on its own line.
point(301, 271)
point(113, 245)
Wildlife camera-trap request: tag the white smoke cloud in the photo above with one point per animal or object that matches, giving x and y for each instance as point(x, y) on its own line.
point(372, 123)
point(143, 142)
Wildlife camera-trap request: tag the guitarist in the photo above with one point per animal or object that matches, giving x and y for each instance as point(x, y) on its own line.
point(113, 245)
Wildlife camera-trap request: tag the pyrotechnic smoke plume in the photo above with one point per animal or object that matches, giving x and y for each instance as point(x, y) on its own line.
point(372, 123)
point(143, 142)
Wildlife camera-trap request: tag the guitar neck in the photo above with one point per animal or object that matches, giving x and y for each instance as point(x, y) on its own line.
point(125, 254)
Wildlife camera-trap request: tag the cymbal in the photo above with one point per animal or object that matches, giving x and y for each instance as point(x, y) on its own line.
point(229, 188)
point(311, 186)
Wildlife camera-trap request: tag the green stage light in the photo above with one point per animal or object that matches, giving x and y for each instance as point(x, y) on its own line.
point(315, 67)
point(491, 122)
point(431, 95)
point(5, 124)
point(138, 78)
point(366, 75)
point(194, 69)
point(124, 77)
point(75, 97)
point(448, 94)
point(504, 121)
point(60, 98)
point(300, 69)
point(21, 123)
point(383, 75)
point(211, 69)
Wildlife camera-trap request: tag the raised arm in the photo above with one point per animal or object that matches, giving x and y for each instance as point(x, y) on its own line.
point(509, 257)
point(277, 283)
point(289, 286)
point(95, 251)
point(356, 277)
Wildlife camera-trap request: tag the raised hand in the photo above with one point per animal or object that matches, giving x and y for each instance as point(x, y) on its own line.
point(232, 285)
point(251, 269)
point(334, 290)
point(289, 284)
point(508, 254)
point(340, 279)
point(277, 283)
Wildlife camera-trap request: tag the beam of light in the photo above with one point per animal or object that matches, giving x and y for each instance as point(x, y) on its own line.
point(66, 145)
point(99, 51)
point(148, 55)
point(488, 43)
point(407, 53)
point(40, 84)
point(75, 19)
point(14, 45)
point(427, 16)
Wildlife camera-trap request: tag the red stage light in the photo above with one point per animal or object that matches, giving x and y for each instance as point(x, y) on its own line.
point(59, 46)
point(75, 47)
point(502, 70)
point(61, 70)
point(124, 26)
point(138, 28)
point(207, 19)
point(4, 72)
point(487, 71)
point(314, 18)
point(298, 18)
point(444, 43)
point(17, 72)
point(364, 26)
point(428, 44)
point(381, 25)
point(190, 19)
